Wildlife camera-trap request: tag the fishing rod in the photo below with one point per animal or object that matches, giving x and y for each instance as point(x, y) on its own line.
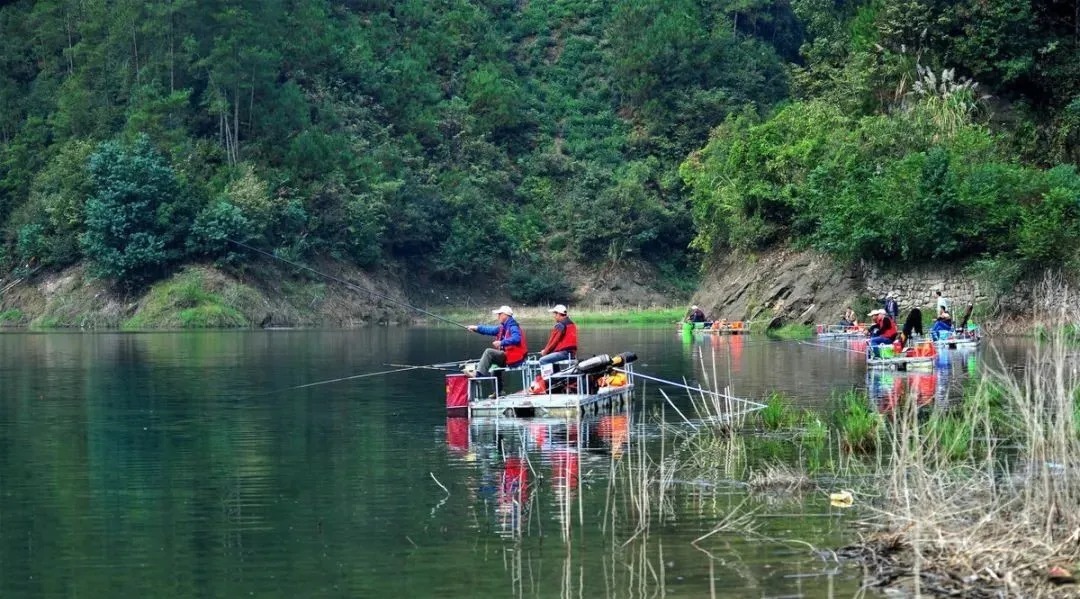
point(347, 284)
point(440, 366)
point(346, 378)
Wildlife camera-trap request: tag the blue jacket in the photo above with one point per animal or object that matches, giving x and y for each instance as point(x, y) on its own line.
point(511, 336)
point(891, 307)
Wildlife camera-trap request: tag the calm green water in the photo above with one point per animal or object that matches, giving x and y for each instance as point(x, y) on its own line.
point(181, 464)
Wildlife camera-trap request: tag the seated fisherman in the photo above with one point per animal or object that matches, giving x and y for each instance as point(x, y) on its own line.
point(508, 349)
point(562, 343)
point(942, 326)
point(695, 315)
point(886, 328)
point(849, 318)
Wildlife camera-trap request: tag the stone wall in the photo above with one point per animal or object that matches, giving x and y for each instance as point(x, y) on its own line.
point(917, 287)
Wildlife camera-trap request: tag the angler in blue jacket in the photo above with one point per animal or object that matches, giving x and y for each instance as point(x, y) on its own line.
point(508, 349)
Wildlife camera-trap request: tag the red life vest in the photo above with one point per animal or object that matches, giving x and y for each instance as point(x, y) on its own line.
point(568, 341)
point(515, 354)
point(888, 328)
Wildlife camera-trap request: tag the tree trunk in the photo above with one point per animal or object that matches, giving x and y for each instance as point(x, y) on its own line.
point(135, 46)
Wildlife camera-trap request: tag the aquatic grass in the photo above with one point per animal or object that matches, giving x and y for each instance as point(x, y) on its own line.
point(778, 413)
point(857, 424)
point(951, 433)
point(814, 442)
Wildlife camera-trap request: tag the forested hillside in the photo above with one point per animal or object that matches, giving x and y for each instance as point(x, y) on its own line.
point(514, 137)
point(918, 131)
point(450, 137)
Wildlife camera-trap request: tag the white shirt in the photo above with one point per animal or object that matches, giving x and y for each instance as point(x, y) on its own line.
point(942, 304)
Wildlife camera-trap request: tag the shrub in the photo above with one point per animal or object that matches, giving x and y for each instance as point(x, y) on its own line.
point(538, 282)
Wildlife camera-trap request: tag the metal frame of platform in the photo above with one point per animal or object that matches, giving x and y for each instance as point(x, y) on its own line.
point(562, 399)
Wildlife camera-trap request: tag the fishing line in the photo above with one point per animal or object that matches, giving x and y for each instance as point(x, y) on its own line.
point(854, 351)
point(687, 387)
point(347, 284)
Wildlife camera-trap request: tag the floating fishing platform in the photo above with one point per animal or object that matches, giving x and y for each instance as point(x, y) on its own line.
point(571, 388)
point(961, 342)
point(718, 327)
point(918, 357)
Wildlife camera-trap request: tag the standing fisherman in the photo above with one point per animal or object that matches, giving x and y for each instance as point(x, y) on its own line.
point(508, 349)
point(892, 308)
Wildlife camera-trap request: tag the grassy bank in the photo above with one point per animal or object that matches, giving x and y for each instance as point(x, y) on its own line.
point(185, 302)
point(534, 315)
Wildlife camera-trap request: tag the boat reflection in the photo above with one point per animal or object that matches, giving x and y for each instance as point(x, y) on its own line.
point(514, 456)
point(940, 386)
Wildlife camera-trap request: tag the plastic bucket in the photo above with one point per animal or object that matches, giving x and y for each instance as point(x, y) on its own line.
point(457, 391)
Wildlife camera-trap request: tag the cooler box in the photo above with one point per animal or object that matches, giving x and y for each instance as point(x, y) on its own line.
point(457, 391)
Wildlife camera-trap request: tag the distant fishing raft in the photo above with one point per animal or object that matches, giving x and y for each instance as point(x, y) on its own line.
point(717, 327)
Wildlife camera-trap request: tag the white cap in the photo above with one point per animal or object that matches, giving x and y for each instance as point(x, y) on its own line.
point(876, 312)
point(559, 309)
point(694, 307)
point(503, 310)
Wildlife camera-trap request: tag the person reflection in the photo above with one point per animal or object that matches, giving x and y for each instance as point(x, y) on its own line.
point(512, 495)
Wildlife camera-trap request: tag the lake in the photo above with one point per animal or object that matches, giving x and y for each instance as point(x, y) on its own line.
point(212, 464)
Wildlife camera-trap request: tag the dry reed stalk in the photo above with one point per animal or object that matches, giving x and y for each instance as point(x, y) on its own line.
point(973, 527)
point(780, 478)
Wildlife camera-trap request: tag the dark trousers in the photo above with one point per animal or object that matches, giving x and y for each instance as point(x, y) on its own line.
point(492, 357)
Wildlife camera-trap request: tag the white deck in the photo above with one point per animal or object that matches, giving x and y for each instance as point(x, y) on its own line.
point(957, 342)
point(523, 403)
point(921, 362)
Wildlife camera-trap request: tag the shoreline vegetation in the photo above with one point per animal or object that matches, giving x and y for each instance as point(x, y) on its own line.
point(971, 498)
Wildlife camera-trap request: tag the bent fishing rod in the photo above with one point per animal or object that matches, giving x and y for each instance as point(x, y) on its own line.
point(356, 288)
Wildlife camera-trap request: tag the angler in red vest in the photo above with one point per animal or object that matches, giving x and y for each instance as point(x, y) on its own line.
point(562, 343)
point(886, 331)
point(508, 349)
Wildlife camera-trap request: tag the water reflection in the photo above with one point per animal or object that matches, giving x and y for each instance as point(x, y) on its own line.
point(940, 387)
point(602, 488)
point(513, 455)
point(188, 465)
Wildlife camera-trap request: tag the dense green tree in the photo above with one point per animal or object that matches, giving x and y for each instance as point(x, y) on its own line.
point(138, 214)
point(459, 137)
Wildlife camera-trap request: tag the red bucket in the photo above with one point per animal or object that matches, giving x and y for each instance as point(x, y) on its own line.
point(457, 391)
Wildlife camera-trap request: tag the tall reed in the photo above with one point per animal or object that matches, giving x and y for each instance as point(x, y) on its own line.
point(964, 515)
